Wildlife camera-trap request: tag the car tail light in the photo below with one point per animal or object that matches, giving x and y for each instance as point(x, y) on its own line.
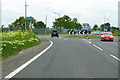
point(111, 36)
point(102, 36)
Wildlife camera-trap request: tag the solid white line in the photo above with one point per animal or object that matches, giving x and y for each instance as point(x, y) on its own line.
point(97, 47)
point(115, 57)
point(28, 62)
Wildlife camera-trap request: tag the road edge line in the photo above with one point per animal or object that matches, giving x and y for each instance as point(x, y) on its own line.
point(28, 62)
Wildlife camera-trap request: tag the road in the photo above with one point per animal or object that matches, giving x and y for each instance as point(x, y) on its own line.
point(75, 58)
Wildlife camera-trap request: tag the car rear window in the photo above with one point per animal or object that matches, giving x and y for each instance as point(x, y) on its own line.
point(54, 31)
point(107, 33)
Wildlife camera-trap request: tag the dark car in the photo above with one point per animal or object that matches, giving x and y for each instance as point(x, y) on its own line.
point(55, 33)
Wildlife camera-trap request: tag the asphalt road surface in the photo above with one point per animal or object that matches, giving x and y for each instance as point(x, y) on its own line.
point(75, 58)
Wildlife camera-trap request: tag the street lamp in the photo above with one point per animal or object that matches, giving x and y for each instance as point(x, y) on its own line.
point(46, 19)
point(25, 12)
point(58, 13)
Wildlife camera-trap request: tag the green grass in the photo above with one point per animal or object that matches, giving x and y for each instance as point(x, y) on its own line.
point(116, 34)
point(15, 41)
point(82, 36)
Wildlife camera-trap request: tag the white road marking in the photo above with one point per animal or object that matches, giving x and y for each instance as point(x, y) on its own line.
point(65, 39)
point(28, 62)
point(97, 47)
point(115, 57)
point(83, 39)
point(60, 38)
point(90, 42)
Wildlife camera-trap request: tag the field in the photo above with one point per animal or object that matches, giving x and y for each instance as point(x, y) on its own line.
point(15, 41)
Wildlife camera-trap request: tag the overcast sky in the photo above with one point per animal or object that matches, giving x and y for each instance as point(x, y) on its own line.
point(90, 11)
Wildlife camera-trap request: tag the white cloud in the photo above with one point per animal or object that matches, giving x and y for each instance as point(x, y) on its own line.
point(92, 11)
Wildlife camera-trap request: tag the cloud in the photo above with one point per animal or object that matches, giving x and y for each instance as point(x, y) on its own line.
point(92, 11)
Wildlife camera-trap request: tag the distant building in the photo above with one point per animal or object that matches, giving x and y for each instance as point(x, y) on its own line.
point(86, 26)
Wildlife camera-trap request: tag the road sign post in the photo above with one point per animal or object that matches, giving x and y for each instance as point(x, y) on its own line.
point(30, 18)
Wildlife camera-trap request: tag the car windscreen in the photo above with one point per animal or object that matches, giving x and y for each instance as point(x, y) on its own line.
point(107, 33)
point(54, 31)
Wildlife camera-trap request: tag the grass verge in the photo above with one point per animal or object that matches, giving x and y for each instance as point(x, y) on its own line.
point(15, 41)
point(82, 36)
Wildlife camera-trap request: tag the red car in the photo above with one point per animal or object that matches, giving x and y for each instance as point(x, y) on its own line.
point(107, 36)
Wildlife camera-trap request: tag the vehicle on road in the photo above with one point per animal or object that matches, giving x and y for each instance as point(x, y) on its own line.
point(107, 36)
point(55, 33)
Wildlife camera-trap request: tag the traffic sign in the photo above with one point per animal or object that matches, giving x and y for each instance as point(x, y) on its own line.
point(30, 18)
point(76, 30)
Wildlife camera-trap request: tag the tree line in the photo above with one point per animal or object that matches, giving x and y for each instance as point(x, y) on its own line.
point(62, 22)
point(20, 23)
point(104, 26)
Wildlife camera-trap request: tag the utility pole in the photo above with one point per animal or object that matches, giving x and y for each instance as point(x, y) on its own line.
point(25, 13)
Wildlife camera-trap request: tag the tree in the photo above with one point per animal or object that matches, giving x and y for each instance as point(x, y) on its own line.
point(75, 20)
point(76, 24)
point(40, 24)
point(2, 28)
point(105, 26)
point(67, 23)
point(95, 27)
point(102, 27)
point(20, 23)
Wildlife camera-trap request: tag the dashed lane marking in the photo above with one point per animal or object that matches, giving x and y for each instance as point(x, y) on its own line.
point(90, 42)
point(83, 39)
point(98, 47)
point(60, 38)
point(65, 39)
point(115, 57)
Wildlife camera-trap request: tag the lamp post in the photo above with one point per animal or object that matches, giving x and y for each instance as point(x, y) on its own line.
point(59, 14)
point(25, 12)
point(46, 19)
